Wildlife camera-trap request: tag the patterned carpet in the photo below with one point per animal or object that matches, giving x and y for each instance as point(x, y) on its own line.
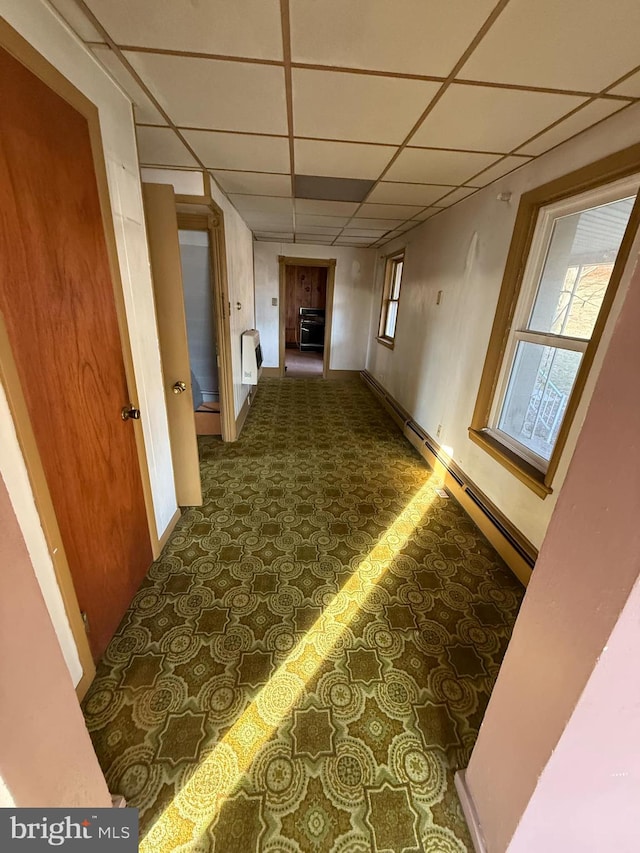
point(309, 661)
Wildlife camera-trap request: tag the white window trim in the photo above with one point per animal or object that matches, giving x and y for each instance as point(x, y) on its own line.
point(530, 284)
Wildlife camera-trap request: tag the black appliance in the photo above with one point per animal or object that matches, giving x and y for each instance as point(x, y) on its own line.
point(312, 329)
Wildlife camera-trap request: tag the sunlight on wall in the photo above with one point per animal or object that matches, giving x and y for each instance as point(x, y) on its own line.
point(6, 800)
point(188, 816)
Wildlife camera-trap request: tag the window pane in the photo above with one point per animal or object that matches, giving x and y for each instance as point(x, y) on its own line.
point(539, 387)
point(396, 279)
point(577, 269)
point(390, 325)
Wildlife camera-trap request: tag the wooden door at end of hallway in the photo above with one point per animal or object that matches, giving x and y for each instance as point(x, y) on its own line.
point(305, 287)
point(57, 298)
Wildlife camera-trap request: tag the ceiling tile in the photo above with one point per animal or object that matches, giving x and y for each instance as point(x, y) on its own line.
point(274, 235)
point(144, 109)
point(160, 146)
point(326, 208)
point(375, 224)
point(208, 93)
point(387, 191)
point(332, 105)
point(484, 118)
point(584, 118)
point(270, 222)
point(372, 233)
point(582, 45)
point(455, 196)
point(318, 230)
point(338, 159)
point(399, 232)
point(77, 20)
point(240, 28)
point(261, 203)
point(508, 164)
point(305, 219)
point(428, 213)
point(240, 151)
point(355, 241)
point(254, 183)
point(386, 211)
point(341, 159)
point(314, 238)
point(438, 167)
point(413, 36)
point(631, 86)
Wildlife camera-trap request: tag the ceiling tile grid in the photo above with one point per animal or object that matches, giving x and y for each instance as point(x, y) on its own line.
point(378, 114)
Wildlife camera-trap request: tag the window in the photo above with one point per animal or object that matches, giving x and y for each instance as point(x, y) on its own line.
point(569, 265)
point(390, 299)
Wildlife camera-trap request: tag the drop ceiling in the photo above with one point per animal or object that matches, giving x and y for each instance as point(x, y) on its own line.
point(427, 101)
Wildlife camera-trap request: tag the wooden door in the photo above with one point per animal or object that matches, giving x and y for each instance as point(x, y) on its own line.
point(164, 248)
point(57, 298)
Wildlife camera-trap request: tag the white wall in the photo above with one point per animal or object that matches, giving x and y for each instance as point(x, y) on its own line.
point(351, 299)
point(435, 369)
point(239, 246)
point(40, 25)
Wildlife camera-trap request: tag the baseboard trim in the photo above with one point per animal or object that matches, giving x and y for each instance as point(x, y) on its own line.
point(244, 411)
point(272, 372)
point(343, 374)
point(514, 548)
point(469, 810)
point(162, 541)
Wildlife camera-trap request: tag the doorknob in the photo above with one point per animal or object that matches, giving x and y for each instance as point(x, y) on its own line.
point(179, 387)
point(129, 413)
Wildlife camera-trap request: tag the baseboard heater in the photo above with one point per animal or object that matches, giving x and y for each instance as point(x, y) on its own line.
point(471, 498)
point(251, 357)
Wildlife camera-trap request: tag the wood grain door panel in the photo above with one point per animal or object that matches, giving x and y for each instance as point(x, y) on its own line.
point(164, 252)
point(57, 298)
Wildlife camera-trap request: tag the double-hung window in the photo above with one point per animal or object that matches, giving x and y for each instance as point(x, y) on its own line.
point(558, 309)
point(390, 299)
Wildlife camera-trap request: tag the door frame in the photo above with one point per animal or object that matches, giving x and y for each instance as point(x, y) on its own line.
point(201, 213)
point(28, 56)
point(330, 265)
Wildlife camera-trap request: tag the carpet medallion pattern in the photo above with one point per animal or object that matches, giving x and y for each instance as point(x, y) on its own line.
point(309, 661)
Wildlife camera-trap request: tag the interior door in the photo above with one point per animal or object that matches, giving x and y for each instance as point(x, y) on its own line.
point(57, 298)
point(164, 251)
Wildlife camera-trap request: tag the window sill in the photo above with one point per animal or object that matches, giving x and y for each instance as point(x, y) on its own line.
point(386, 342)
point(520, 468)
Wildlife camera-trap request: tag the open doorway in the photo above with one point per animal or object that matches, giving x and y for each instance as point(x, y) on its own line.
point(306, 298)
point(199, 307)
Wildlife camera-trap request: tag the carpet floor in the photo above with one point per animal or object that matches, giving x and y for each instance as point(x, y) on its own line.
point(309, 661)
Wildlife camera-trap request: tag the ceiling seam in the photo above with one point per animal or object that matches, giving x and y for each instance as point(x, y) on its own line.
point(484, 29)
point(125, 62)
point(288, 84)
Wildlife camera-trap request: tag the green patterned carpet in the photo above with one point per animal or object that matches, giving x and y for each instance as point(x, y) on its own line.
point(309, 661)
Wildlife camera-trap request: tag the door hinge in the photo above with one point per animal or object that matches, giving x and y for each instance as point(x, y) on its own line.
point(85, 619)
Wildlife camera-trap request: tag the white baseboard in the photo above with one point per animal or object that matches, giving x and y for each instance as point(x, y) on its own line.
point(469, 812)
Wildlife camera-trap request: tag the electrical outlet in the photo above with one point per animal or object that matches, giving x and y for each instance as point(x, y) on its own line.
point(439, 431)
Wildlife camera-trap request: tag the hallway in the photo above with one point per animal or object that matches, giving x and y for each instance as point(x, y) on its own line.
point(310, 659)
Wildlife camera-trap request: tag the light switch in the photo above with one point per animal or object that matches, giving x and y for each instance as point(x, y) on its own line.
point(274, 301)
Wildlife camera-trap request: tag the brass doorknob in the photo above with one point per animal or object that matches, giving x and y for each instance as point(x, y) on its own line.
point(130, 413)
point(179, 387)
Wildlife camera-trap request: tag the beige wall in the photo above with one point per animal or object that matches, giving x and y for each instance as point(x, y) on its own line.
point(557, 763)
point(434, 370)
point(351, 299)
point(46, 756)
